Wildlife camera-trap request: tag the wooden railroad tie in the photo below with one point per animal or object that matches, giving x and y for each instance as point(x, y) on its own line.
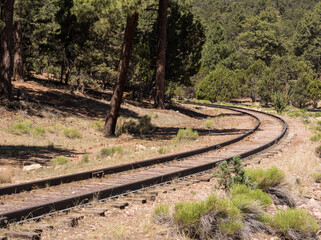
point(24, 235)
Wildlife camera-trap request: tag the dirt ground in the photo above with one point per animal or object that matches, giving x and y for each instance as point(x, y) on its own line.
point(298, 160)
point(54, 108)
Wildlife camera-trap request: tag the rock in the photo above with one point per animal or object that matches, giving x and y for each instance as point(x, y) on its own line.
point(154, 148)
point(274, 238)
point(32, 167)
point(141, 147)
point(314, 207)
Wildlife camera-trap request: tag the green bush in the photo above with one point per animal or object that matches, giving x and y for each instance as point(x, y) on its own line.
point(21, 127)
point(266, 178)
point(319, 122)
point(38, 131)
point(162, 150)
point(280, 101)
point(161, 210)
point(227, 179)
point(185, 134)
point(244, 197)
point(111, 151)
point(98, 125)
point(316, 176)
point(72, 133)
point(59, 160)
point(209, 124)
point(228, 216)
point(85, 158)
point(316, 137)
point(294, 219)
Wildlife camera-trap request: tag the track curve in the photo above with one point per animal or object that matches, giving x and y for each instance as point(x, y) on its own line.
point(267, 132)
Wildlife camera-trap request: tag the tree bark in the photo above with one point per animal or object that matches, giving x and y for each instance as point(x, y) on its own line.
point(17, 58)
point(161, 58)
point(6, 49)
point(111, 119)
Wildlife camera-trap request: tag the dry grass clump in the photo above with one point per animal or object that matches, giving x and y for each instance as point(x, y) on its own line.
point(293, 224)
point(59, 160)
point(6, 175)
point(98, 125)
point(272, 181)
point(214, 218)
point(242, 196)
point(316, 137)
point(185, 134)
point(131, 126)
point(21, 128)
point(161, 214)
point(111, 151)
point(266, 178)
point(317, 177)
point(72, 133)
point(209, 124)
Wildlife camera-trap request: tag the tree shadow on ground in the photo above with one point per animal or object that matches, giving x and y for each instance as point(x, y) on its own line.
point(194, 114)
point(21, 155)
point(65, 104)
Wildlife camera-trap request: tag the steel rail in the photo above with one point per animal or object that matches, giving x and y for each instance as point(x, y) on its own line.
point(43, 183)
point(39, 210)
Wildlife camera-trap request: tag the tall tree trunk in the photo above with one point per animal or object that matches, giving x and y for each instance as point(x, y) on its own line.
point(111, 119)
point(17, 58)
point(6, 49)
point(161, 58)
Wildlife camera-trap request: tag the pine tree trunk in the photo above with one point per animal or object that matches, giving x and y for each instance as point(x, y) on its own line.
point(17, 58)
point(161, 58)
point(6, 49)
point(111, 119)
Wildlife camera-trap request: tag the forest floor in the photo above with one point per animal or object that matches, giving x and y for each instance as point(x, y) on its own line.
point(54, 109)
point(48, 105)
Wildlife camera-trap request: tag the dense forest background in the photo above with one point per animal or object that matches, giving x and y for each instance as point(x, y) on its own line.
point(216, 49)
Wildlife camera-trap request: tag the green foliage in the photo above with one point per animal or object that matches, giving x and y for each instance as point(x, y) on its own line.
point(111, 151)
point(317, 176)
point(98, 125)
point(162, 150)
point(261, 38)
point(185, 134)
point(244, 198)
point(72, 133)
point(85, 158)
point(59, 160)
point(314, 91)
point(316, 137)
point(221, 84)
point(21, 128)
point(38, 131)
point(161, 210)
point(209, 124)
point(294, 219)
point(271, 177)
point(280, 101)
point(227, 179)
point(188, 215)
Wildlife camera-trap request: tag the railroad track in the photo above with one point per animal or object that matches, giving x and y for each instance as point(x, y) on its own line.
point(34, 199)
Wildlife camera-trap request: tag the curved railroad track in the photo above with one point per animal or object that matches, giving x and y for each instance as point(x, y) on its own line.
point(19, 203)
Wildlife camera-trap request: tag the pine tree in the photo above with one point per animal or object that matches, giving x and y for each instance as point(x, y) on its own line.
point(6, 47)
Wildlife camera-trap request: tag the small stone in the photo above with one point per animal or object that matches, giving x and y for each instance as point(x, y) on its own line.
point(141, 147)
point(32, 167)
